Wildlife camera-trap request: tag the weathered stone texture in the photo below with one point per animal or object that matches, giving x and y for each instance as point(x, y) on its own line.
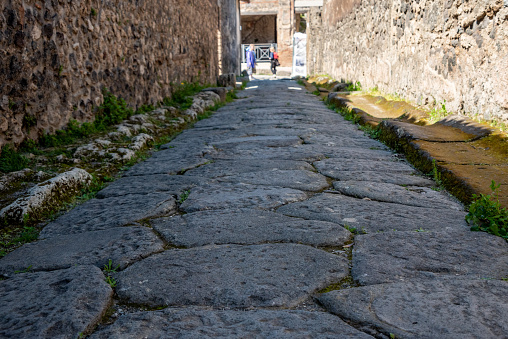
point(425, 51)
point(56, 57)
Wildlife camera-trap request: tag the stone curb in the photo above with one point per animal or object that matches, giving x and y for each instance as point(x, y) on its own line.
point(404, 141)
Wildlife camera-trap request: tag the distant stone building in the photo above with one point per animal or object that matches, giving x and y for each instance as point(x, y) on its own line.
point(274, 22)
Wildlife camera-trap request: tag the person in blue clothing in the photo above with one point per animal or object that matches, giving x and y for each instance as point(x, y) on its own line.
point(251, 61)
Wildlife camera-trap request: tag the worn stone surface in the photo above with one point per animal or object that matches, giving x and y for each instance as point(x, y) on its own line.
point(101, 214)
point(440, 308)
point(409, 195)
point(145, 184)
point(381, 177)
point(426, 52)
point(220, 168)
point(166, 166)
point(374, 216)
point(246, 227)
point(199, 323)
point(233, 196)
point(46, 195)
point(123, 245)
point(333, 165)
point(58, 304)
point(300, 180)
point(231, 276)
point(426, 255)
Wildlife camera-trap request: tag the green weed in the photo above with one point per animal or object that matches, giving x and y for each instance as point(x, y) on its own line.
point(487, 215)
point(93, 12)
point(145, 108)
point(26, 270)
point(436, 175)
point(300, 82)
point(11, 161)
point(357, 86)
point(371, 131)
point(184, 196)
point(439, 113)
point(109, 269)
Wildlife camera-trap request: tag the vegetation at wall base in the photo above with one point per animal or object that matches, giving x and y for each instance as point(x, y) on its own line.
point(357, 86)
point(11, 161)
point(487, 215)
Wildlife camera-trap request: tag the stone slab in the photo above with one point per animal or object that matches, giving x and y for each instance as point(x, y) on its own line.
point(166, 166)
point(220, 168)
point(206, 324)
point(344, 139)
point(374, 216)
point(123, 245)
point(269, 275)
point(246, 227)
point(300, 153)
point(100, 214)
point(58, 304)
point(436, 132)
point(426, 255)
point(386, 177)
point(297, 179)
point(333, 165)
point(234, 196)
point(171, 184)
point(440, 308)
point(410, 195)
point(262, 141)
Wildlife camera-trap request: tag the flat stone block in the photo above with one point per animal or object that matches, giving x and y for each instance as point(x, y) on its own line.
point(386, 177)
point(246, 227)
point(373, 216)
point(145, 184)
point(123, 245)
point(426, 255)
point(220, 168)
point(330, 166)
point(198, 323)
point(411, 196)
point(234, 196)
point(100, 214)
point(440, 308)
point(270, 275)
point(166, 166)
point(58, 304)
point(300, 180)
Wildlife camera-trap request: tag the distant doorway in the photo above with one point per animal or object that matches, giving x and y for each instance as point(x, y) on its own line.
point(259, 29)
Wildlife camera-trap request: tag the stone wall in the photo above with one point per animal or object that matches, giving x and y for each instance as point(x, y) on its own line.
point(427, 51)
point(259, 29)
point(55, 56)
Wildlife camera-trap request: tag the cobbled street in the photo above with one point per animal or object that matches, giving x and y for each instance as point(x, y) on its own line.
point(274, 218)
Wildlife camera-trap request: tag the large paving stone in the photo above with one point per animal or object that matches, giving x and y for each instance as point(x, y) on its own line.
point(100, 214)
point(263, 141)
point(373, 176)
point(374, 216)
point(222, 168)
point(197, 323)
point(166, 166)
point(247, 227)
point(440, 308)
point(412, 196)
point(346, 138)
point(123, 245)
point(297, 179)
point(270, 275)
point(300, 153)
point(426, 255)
point(58, 304)
point(331, 166)
point(171, 184)
point(234, 196)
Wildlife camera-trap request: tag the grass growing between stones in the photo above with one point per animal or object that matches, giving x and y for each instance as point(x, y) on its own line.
point(487, 215)
point(14, 236)
point(348, 281)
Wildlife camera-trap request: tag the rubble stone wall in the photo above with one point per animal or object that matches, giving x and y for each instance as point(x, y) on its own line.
point(55, 56)
point(427, 51)
point(259, 29)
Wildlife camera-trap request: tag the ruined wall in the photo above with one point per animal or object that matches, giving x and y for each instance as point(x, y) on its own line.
point(426, 51)
point(55, 56)
point(259, 29)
